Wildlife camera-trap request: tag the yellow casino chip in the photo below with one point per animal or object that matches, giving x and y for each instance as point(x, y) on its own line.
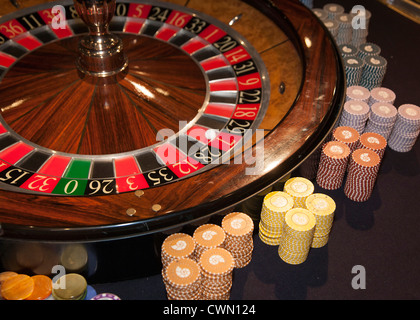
point(320, 204)
point(301, 220)
point(319, 242)
point(278, 201)
point(299, 188)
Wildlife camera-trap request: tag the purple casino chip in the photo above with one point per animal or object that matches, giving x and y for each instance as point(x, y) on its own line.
point(106, 296)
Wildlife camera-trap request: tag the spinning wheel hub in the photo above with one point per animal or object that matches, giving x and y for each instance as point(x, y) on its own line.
point(100, 53)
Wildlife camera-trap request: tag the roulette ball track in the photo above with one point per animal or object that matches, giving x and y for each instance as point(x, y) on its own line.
point(193, 108)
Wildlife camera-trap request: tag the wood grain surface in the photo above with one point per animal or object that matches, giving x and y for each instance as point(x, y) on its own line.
point(307, 60)
point(56, 109)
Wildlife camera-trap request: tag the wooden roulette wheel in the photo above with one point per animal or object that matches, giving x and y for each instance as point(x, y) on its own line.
point(182, 110)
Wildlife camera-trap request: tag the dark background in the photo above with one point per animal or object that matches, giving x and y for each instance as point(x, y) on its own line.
point(382, 234)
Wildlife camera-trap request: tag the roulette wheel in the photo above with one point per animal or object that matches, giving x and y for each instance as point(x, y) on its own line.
point(123, 119)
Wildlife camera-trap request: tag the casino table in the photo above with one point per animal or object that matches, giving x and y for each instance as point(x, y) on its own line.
point(381, 234)
point(116, 235)
point(167, 124)
point(120, 120)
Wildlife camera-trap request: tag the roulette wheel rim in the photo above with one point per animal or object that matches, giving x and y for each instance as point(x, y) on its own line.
point(228, 199)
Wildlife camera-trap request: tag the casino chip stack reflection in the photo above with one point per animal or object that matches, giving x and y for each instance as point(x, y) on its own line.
point(239, 229)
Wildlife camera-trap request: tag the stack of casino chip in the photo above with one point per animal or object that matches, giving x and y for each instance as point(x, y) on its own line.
point(333, 10)
point(345, 30)
point(323, 207)
point(274, 208)
point(217, 266)
point(362, 174)
point(354, 68)
point(206, 237)
point(381, 119)
point(361, 27)
point(368, 50)
point(381, 94)
point(347, 135)
point(239, 228)
point(299, 189)
point(71, 286)
point(347, 50)
point(177, 246)
point(358, 93)
point(333, 165)
point(374, 71)
point(373, 141)
point(406, 129)
point(355, 115)
point(320, 13)
point(298, 234)
point(332, 26)
point(17, 286)
point(182, 279)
